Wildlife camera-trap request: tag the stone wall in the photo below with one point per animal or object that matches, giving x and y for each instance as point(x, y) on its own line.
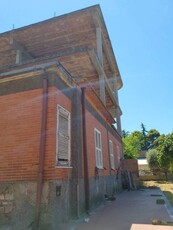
point(101, 187)
point(17, 205)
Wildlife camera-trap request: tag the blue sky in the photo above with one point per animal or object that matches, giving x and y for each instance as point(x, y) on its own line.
point(141, 33)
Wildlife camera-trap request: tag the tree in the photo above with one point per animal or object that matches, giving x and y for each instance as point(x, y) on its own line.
point(125, 133)
point(144, 131)
point(158, 142)
point(144, 142)
point(132, 145)
point(165, 162)
point(167, 146)
point(151, 136)
point(152, 158)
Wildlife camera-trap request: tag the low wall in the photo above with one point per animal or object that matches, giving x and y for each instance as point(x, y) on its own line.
point(148, 175)
point(131, 166)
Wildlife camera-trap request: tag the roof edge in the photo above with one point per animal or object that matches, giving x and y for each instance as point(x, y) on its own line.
point(97, 6)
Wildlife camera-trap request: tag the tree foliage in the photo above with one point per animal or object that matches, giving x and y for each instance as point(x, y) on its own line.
point(125, 133)
point(152, 136)
point(165, 163)
point(152, 158)
point(167, 146)
point(132, 145)
point(159, 141)
point(138, 141)
point(159, 148)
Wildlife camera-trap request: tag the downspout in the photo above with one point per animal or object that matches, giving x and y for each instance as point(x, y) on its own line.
point(108, 149)
point(41, 152)
point(86, 177)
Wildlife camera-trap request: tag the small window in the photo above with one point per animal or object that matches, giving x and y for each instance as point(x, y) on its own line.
point(118, 154)
point(98, 148)
point(111, 151)
point(63, 137)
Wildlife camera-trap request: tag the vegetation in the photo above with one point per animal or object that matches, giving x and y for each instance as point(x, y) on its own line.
point(152, 158)
point(159, 148)
point(165, 186)
point(132, 145)
point(160, 201)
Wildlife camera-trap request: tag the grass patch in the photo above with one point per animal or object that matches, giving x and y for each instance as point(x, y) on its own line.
point(165, 186)
point(169, 196)
point(160, 201)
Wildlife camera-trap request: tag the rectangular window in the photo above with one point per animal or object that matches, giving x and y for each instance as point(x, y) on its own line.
point(63, 137)
point(98, 148)
point(118, 154)
point(111, 151)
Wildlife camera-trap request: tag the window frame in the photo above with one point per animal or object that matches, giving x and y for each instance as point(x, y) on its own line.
point(111, 154)
point(98, 149)
point(60, 112)
point(118, 154)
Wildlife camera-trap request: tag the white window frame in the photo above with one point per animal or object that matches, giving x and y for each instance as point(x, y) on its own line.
point(64, 162)
point(118, 154)
point(111, 152)
point(98, 149)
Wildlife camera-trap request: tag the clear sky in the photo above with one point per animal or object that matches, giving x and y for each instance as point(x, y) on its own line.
point(141, 32)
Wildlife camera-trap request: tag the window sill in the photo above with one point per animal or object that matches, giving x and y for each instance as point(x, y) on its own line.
point(102, 168)
point(63, 167)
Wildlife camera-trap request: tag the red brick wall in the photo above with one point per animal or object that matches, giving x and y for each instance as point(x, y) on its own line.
point(131, 166)
point(20, 122)
point(20, 135)
point(50, 170)
point(92, 123)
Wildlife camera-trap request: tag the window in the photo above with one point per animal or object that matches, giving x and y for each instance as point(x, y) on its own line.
point(111, 152)
point(63, 137)
point(98, 148)
point(118, 154)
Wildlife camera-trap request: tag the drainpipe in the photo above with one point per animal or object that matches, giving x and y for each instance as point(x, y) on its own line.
point(86, 177)
point(108, 149)
point(41, 152)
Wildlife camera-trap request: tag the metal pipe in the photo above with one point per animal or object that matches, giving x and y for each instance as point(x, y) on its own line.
point(41, 152)
point(108, 149)
point(86, 177)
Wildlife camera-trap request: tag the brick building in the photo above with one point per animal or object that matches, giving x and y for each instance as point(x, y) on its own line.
point(59, 149)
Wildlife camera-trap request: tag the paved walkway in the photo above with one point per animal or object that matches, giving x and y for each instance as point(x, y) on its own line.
point(133, 207)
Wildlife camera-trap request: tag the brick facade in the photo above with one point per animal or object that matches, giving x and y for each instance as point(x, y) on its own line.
point(70, 38)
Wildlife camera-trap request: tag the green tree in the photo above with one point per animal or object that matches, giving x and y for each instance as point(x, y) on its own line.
point(132, 145)
point(144, 131)
point(152, 158)
point(125, 133)
point(165, 163)
point(144, 142)
point(158, 142)
point(167, 146)
point(151, 136)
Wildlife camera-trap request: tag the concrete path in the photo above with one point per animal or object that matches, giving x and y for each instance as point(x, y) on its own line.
point(130, 207)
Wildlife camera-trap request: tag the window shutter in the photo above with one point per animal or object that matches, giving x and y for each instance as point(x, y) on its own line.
point(118, 154)
point(63, 137)
point(111, 154)
point(98, 149)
